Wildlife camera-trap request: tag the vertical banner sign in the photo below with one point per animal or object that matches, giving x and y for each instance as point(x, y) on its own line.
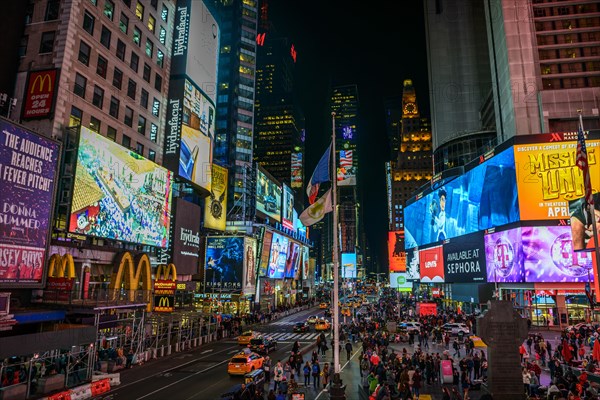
point(38, 100)
point(297, 169)
point(250, 246)
point(215, 206)
point(265, 252)
point(164, 295)
point(396, 253)
point(28, 165)
point(186, 237)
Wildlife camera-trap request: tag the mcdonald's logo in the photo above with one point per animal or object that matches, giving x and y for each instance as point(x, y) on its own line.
point(125, 273)
point(39, 94)
point(164, 303)
point(59, 265)
point(41, 80)
point(163, 271)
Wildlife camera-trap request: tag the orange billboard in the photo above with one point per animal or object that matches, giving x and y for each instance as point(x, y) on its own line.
point(396, 253)
point(548, 177)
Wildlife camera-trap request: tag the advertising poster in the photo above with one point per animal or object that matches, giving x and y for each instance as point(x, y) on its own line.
point(291, 263)
point(297, 178)
point(40, 90)
point(581, 219)
point(399, 282)
point(482, 198)
point(186, 237)
point(548, 177)
point(119, 194)
point(413, 269)
point(224, 266)
point(396, 253)
point(249, 266)
point(215, 205)
point(287, 208)
point(346, 172)
point(28, 164)
point(265, 255)
point(432, 264)
point(348, 265)
point(464, 259)
point(305, 263)
point(278, 256)
point(504, 256)
point(268, 196)
point(548, 256)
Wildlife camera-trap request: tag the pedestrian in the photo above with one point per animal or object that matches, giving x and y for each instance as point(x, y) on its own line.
point(416, 383)
point(129, 358)
point(316, 373)
point(456, 346)
point(325, 375)
point(278, 375)
point(306, 371)
point(267, 369)
point(348, 350)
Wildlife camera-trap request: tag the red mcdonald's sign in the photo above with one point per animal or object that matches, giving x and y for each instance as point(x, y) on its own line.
point(38, 101)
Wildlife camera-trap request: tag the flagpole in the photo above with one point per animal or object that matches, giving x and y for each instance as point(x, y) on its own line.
point(336, 272)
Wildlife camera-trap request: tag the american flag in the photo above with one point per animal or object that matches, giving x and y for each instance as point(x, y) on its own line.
point(345, 158)
point(582, 163)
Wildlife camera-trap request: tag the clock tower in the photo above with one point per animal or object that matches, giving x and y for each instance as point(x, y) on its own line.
point(409, 101)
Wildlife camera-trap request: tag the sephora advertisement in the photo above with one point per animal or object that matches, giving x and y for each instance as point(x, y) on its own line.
point(432, 264)
point(186, 237)
point(548, 256)
point(278, 256)
point(504, 256)
point(28, 164)
point(482, 198)
point(464, 259)
point(413, 272)
point(224, 266)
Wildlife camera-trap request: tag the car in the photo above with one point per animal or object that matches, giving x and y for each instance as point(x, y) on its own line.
point(244, 362)
point(323, 306)
point(262, 344)
point(312, 319)
point(322, 325)
point(301, 327)
point(410, 326)
point(346, 311)
point(246, 337)
point(455, 328)
point(580, 325)
point(270, 204)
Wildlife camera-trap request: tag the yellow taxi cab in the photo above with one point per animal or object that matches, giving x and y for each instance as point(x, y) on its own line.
point(346, 311)
point(244, 362)
point(246, 337)
point(323, 306)
point(322, 325)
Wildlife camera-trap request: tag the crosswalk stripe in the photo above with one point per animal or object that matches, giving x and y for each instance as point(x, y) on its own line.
point(312, 336)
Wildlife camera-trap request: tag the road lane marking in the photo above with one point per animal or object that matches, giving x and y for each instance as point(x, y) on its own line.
point(207, 351)
point(233, 351)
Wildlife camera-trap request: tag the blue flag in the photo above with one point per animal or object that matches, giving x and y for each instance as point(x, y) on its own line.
point(320, 175)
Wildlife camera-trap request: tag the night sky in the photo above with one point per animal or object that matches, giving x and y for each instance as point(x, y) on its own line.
point(340, 42)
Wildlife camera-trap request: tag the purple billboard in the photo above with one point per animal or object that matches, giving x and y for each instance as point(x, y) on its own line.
point(548, 256)
point(504, 256)
point(28, 165)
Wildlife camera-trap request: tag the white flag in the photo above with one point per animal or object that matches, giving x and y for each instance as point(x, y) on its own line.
point(316, 211)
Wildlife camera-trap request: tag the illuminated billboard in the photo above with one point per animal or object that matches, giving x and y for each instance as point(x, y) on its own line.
point(287, 207)
point(224, 263)
point(581, 221)
point(268, 195)
point(548, 177)
point(396, 253)
point(504, 256)
point(292, 262)
point(464, 259)
point(413, 269)
point(348, 265)
point(186, 237)
point(482, 198)
point(28, 167)
point(249, 286)
point(265, 254)
point(119, 194)
point(399, 282)
point(431, 262)
point(215, 205)
point(278, 256)
point(40, 93)
point(297, 170)
point(305, 263)
point(346, 171)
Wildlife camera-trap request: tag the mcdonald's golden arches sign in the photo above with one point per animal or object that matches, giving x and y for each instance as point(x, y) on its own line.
point(38, 100)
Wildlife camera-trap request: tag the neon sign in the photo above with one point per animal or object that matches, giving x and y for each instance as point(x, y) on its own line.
point(293, 53)
point(260, 38)
point(347, 132)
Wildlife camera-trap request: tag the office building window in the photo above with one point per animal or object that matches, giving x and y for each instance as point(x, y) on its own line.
point(117, 78)
point(139, 149)
point(131, 88)
point(47, 42)
point(52, 10)
point(139, 11)
point(75, 117)
point(80, 85)
point(29, 12)
point(158, 82)
point(137, 35)
point(160, 58)
point(151, 23)
point(124, 23)
point(84, 53)
point(164, 14)
point(149, 48)
point(127, 3)
point(23, 45)
point(155, 107)
point(154, 4)
point(98, 98)
point(134, 62)
point(141, 125)
point(111, 133)
point(128, 117)
point(147, 73)
point(114, 107)
point(109, 9)
point(88, 23)
point(126, 141)
point(151, 155)
point(162, 35)
point(144, 99)
point(94, 2)
point(121, 50)
point(153, 132)
point(102, 66)
point(105, 37)
point(95, 124)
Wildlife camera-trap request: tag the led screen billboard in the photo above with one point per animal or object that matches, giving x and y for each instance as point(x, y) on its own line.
point(580, 219)
point(291, 262)
point(215, 205)
point(396, 253)
point(305, 263)
point(399, 282)
point(482, 198)
point(278, 256)
point(348, 265)
point(268, 196)
point(119, 194)
point(266, 252)
point(40, 94)
point(346, 172)
point(548, 256)
point(413, 270)
point(431, 262)
point(504, 256)
point(249, 286)
point(224, 265)
point(287, 207)
point(464, 259)
point(548, 177)
point(297, 170)
point(186, 237)
point(28, 164)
